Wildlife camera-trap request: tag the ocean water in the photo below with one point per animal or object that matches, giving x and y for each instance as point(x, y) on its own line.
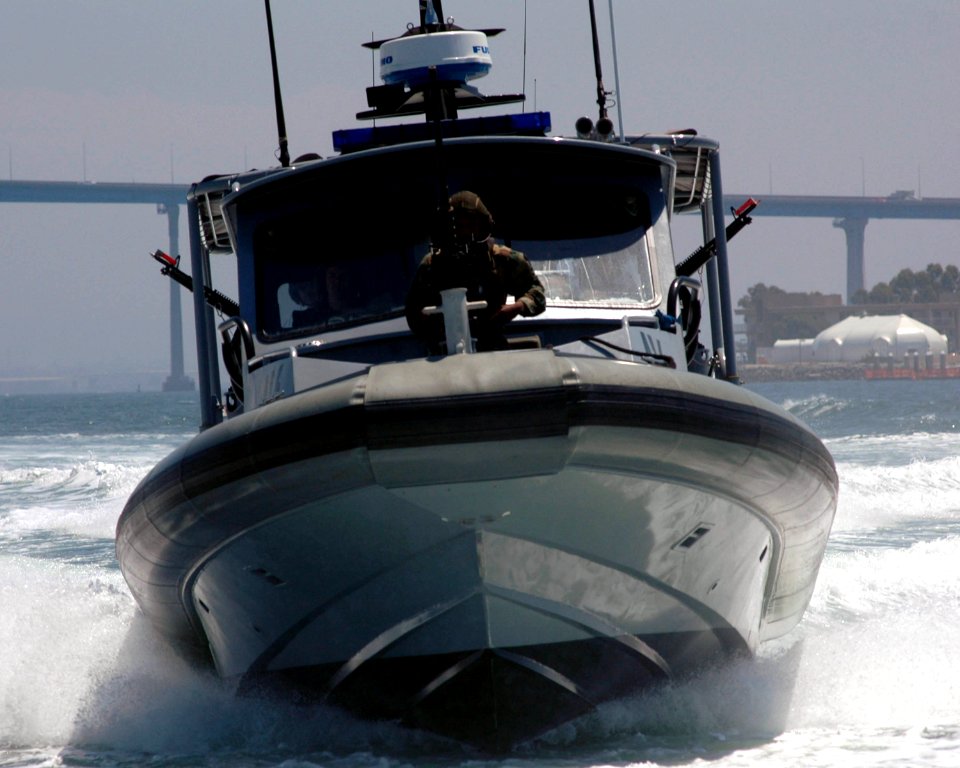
point(869, 678)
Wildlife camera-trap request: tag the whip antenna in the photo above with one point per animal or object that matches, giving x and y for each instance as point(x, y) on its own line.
point(523, 88)
point(281, 124)
point(601, 91)
point(616, 73)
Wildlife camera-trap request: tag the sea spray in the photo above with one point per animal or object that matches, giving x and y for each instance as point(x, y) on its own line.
point(867, 678)
point(61, 626)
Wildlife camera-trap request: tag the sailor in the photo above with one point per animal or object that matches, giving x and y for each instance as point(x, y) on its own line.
point(307, 295)
point(490, 272)
point(328, 297)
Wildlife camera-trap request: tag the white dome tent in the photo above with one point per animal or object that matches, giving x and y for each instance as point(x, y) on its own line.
point(855, 339)
point(859, 339)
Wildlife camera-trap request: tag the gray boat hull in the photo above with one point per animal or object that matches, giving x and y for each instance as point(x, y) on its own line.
point(484, 545)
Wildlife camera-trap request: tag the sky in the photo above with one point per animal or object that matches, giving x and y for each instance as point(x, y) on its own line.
point(813, 97)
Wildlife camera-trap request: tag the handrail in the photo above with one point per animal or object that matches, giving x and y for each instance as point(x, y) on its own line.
point(241, 325)
point(681, 281)
point(231, 352)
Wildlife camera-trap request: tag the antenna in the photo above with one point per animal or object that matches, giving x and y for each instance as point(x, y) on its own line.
point(373, 67)
point(523, 88)
point(601, 92)
point(281, 124)
point(616, 73)
point(604, 124)
point(431, 16)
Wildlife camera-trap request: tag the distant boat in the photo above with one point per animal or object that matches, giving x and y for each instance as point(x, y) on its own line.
point(485, 544)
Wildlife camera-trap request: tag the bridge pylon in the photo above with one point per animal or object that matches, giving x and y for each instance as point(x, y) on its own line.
point(854, 229)
point(177, 381)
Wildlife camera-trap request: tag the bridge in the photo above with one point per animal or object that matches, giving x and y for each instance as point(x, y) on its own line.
point(167, 197)
point(849, 213)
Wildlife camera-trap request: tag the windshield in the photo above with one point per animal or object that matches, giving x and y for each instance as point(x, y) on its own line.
point(309, 283)
point(605, 271)
point(340, 244)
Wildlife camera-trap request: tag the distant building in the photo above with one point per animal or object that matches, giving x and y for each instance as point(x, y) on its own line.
point(781, 318)
point(787, 351)
point(772, 314)
point(858, 339)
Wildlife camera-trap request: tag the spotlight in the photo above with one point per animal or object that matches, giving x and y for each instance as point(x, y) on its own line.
point(584, 127)
point(605, 128)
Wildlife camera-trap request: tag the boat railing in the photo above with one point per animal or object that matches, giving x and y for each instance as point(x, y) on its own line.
point(238, 349)
point(673, 295)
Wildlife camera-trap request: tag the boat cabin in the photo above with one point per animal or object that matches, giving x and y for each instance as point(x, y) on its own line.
point(337, 243)
point(327, 248)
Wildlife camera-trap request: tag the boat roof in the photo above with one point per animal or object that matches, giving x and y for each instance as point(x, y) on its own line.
point(691, 154)
point(686, 150)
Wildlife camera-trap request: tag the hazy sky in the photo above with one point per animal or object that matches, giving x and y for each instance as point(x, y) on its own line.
point(813, 97)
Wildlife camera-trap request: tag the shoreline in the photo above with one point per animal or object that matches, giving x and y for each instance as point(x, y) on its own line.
point(760, 373)
point(757, 373)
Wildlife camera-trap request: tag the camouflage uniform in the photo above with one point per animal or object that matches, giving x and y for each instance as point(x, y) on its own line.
point(502, 272)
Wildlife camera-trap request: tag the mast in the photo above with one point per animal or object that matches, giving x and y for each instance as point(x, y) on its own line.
point(601, 91)
point(431, 16)
point(616, 73)
point(278, 102)
point(604, 123)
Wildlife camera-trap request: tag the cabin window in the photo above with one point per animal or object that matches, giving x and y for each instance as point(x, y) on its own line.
point(329, 294)
point(615, 269)
point(339, 246)
point(309, 282)
point(593, 241)
point(304, 294)
point(610, 271)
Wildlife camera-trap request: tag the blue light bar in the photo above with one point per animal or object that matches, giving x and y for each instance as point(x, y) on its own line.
point(524, 124)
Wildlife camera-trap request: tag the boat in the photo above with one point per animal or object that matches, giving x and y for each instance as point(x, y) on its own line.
point(485, 544)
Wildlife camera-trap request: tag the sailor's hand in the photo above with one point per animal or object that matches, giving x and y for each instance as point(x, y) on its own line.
point(507, 312)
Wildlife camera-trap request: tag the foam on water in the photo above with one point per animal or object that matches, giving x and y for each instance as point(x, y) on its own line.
point(881, 635)
point(61, 624)
point(870, 409)
point(921, 498)
point(869, 677)
point(816, 406)
point(64, 508)
point(80, 667)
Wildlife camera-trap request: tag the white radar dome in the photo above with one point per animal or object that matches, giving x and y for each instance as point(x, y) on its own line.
point(460, 55)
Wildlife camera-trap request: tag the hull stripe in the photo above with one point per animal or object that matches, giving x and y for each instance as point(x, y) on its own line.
point(387, 638)
point(400, 424)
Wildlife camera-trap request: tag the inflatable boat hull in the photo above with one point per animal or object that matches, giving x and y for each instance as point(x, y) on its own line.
point(485, 546)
